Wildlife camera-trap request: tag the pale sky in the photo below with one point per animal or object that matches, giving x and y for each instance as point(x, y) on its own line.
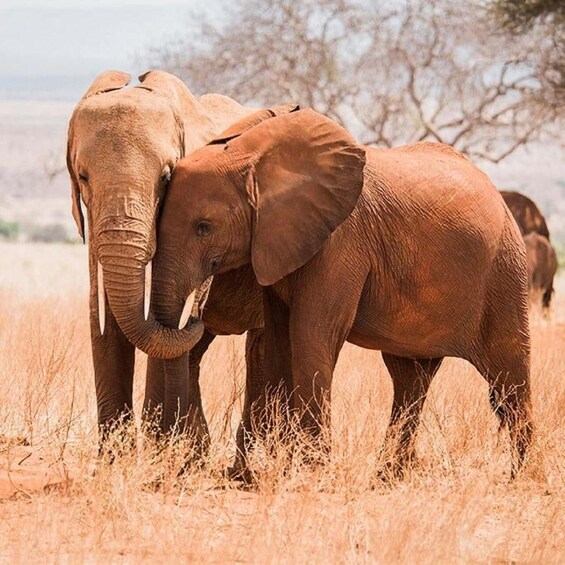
point(5, 4)
point(52, 46)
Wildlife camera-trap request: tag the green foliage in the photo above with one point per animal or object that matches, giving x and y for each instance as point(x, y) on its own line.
point(546, 20)
point(50, 233)
point(9, 231)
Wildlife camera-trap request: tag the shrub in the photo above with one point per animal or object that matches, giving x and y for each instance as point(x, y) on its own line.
point(9, 231)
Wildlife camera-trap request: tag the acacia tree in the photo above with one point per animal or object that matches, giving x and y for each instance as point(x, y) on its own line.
point(391, 72)
point(546, 20)
point(523, 14)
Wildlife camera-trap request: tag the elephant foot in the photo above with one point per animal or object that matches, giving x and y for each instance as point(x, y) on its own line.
point(117, 440)
point(395, 470)
point(241, 475)
point(195, 461)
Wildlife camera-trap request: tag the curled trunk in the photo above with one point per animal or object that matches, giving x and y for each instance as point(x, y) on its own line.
point(124, 282)
point(125, 287)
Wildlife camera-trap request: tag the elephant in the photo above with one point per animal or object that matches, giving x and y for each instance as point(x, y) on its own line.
point(410, 251)
point(526, 213)
point(123, 144)
point(542, 266)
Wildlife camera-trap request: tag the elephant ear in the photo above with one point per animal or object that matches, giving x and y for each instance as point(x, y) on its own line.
point(75, 190)
point(106, 82)
point(75, 197)
point(304, 179)
point(196, 126)
point(235, 130)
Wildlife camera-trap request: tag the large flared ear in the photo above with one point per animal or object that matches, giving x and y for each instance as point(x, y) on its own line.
point(304, 178)
point(196, 127)
point(235, 130)
point(108, 81)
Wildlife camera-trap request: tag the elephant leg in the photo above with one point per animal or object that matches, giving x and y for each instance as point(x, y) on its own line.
point(507, 375)
point(197, 425)
point(113, 358)
point(316, 341)
point(154, 395)
point(502, 356)
point(411, 379)
point(265, 389)
point(321, 318)
point(255, 403)
point(155, 389)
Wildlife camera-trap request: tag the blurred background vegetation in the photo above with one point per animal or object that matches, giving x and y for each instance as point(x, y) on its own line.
point(486, 76)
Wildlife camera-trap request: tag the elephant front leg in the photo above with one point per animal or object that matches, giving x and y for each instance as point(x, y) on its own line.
point(320, 321)
point(152, 415)
point(312, 369)
point(113, 359)
point(197, 424)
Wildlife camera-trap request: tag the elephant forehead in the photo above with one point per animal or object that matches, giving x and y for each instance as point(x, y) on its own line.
point(205, 167)
point(190, 184)
point(142, 124)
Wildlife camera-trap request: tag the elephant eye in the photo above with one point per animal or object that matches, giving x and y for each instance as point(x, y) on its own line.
point(203, 228)
point(83, 176)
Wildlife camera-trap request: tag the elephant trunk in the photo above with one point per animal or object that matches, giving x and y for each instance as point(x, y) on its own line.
point(123, 276)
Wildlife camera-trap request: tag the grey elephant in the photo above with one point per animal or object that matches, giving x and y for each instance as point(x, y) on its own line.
point(123, 144)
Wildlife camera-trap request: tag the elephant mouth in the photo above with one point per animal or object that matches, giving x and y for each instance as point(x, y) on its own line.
point(193, 309)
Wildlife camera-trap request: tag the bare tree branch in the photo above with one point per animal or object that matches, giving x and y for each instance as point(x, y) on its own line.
point(391, 72)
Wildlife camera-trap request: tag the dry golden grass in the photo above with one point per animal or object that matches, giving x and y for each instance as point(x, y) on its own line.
point(455, 506)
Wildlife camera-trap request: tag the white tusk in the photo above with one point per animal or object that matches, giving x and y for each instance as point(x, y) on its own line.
point(206, 293)
point(186, 311)
point(101, 299)
point(147, 294)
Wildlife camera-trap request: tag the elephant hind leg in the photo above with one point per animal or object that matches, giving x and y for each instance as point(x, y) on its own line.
point(503, 358)
point(411, 379)
point(254, 419)
point(510, 397)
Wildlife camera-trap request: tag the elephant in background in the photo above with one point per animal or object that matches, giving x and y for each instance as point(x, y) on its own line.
point(123, 144)
point(542, 266)
point(526, 213)
point(542, 260)
point(410, 251)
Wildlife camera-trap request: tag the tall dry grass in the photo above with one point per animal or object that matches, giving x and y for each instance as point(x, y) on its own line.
point(456, 505)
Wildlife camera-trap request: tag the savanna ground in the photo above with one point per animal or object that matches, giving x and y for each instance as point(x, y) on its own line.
point(456, 505)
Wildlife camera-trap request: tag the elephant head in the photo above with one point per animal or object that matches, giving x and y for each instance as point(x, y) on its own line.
point(270, 197)
point(122, 146)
